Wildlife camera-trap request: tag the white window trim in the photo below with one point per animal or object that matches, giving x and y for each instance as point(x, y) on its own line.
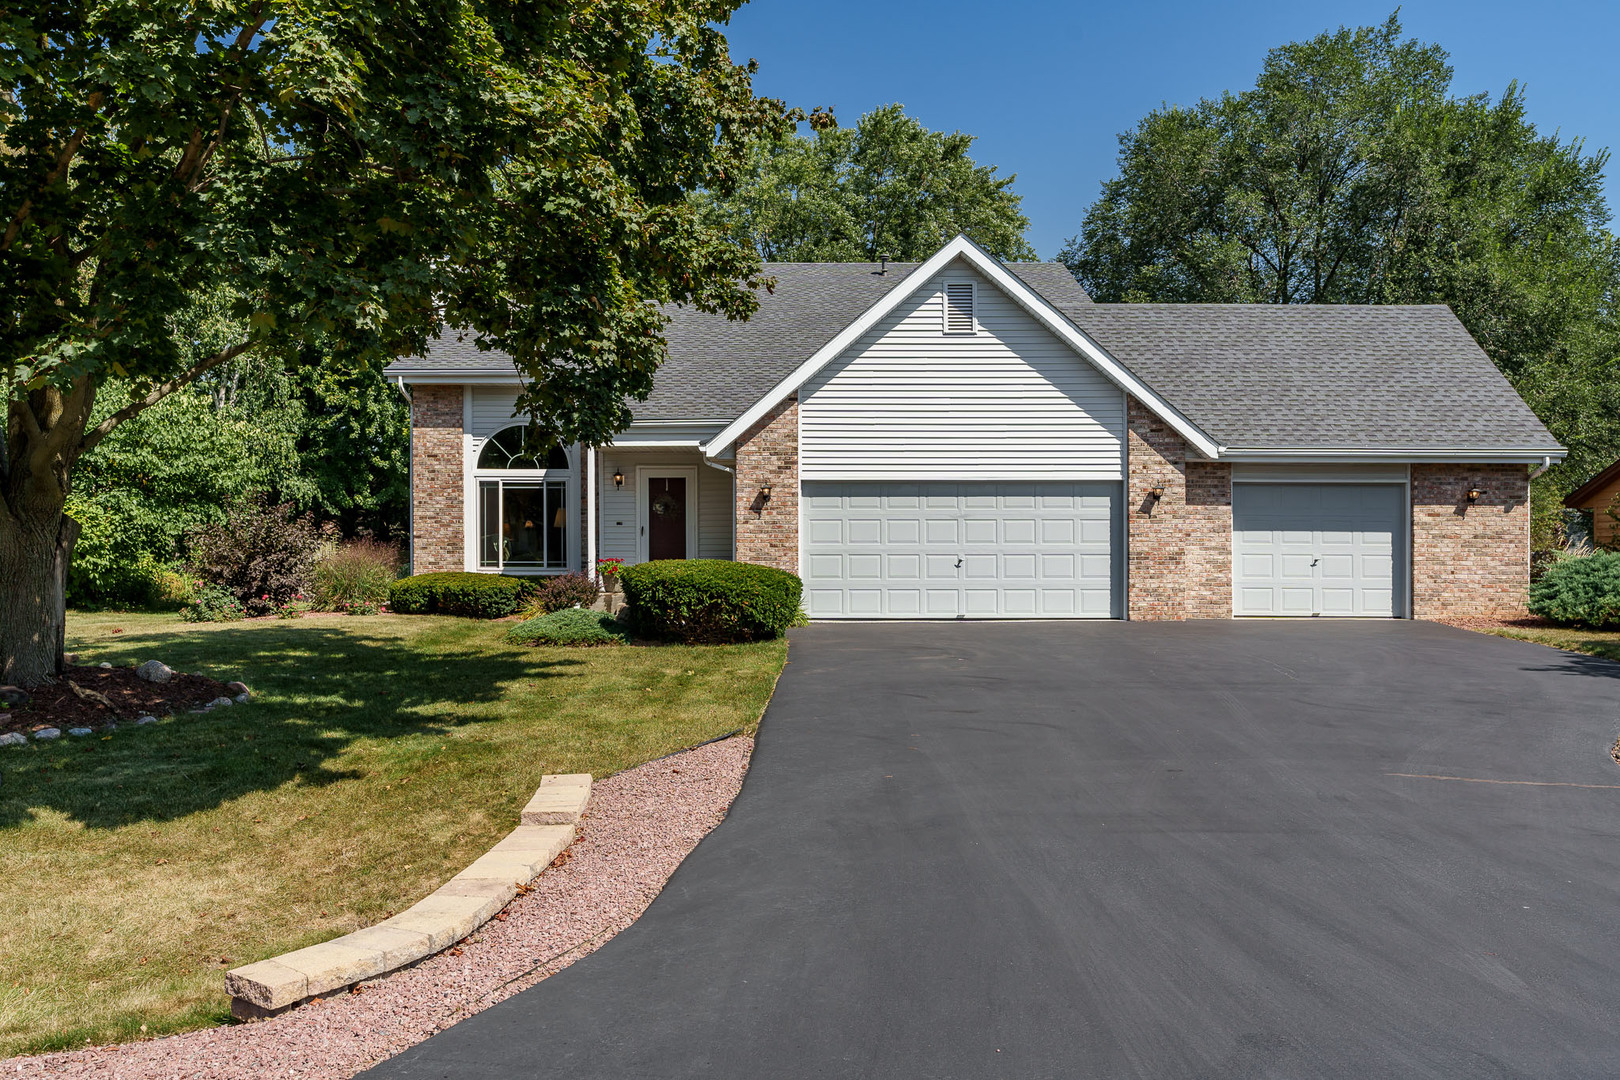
point(472, 446)
point(644, 473)
point(945, 307)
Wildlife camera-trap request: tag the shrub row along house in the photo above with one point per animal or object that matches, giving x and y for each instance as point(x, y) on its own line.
point(963, 438)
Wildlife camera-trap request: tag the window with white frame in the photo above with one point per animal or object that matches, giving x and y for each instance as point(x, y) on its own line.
point(525, 484)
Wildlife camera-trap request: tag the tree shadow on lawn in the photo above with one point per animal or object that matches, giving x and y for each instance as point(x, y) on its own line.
point(316, 691)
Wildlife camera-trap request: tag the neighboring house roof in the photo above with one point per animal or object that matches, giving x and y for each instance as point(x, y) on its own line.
point(1590, 493)
point(1229, 377)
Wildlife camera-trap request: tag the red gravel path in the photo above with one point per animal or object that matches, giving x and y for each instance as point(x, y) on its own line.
point(638, 827)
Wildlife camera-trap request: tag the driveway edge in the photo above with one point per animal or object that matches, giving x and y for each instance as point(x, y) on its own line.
point(444, 917)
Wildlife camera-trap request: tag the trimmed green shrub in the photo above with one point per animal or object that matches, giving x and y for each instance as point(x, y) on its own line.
point(569, 626)
point(710, 601)
point(1583, 591)
point(459, 592)
point(563, 591)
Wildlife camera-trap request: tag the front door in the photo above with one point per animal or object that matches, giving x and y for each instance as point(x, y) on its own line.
point(666, 517)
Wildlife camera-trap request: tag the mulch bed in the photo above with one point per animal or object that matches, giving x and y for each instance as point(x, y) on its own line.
point(56, 705)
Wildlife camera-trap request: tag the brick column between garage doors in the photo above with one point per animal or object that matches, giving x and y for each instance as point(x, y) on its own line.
point(1180, 546)
point(438, 518)
point(1470, 560)
point(768, 453)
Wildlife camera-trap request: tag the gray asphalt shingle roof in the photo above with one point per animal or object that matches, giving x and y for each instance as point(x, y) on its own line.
point(1249, 375)
point(1319, 376)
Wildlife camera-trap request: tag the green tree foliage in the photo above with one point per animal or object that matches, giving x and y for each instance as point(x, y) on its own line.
point(361, 175)
point(1350, 174)
point(888, 186)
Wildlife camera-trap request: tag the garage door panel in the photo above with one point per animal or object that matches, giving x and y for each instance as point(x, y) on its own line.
point(903, 567)
point(980, 531)
point(1060, 531)
point(1019, 531)
point(1317, 549)
point(904, 530)
point(864, 567)
point(1019, 566)
point(904, 601)
point(981, 568)
point(981, 549)
point(829, 532)
point(1059, 567)
point(864, 531)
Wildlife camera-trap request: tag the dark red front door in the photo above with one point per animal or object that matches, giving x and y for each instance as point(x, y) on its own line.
point(666, 517)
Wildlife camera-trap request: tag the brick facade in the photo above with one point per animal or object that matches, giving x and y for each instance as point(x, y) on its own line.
point(1180, 545)
point(1470, 559)
point(438, 515)
point(768, 453)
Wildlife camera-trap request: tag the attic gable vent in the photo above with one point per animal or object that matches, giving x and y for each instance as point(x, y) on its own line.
point(959, 307)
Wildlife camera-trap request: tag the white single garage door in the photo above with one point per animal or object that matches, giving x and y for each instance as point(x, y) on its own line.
point(1319, 549)
point(940, 550)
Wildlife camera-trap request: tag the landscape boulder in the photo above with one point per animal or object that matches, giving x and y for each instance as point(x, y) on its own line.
point(13, 738)
point(48, 733)
point(14, 695)
point(155, 671)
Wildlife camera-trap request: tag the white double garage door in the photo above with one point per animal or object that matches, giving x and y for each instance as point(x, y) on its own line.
point(940, 550)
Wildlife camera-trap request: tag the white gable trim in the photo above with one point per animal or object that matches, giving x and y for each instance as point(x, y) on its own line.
point(1008, 282)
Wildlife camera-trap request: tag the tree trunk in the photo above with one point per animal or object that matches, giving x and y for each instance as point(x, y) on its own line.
point(33, 612)
point(44, 434)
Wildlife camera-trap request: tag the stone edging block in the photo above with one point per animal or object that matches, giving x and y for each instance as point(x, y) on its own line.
point(559, 800)
point(457, 908)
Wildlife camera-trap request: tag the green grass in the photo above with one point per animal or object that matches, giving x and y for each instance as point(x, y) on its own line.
point(1604, 643)
point(379, 756)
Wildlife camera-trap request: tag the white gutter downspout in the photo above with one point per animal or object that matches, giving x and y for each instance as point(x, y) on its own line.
point(1546, 463)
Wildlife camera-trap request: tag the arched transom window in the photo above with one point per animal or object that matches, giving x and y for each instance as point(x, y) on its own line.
point(522, 448)
point(523, 519)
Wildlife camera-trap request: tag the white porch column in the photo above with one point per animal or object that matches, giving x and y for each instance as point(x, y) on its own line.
point(590, 511)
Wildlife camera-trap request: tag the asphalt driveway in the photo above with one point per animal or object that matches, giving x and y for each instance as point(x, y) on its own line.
point(1122, 850)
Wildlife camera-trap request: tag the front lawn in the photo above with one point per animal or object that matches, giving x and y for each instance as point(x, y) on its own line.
point(1604, 643)
point(379, 756)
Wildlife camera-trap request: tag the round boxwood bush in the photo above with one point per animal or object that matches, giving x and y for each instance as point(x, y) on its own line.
point(1583, 591)
point(459, 592)
point(569, 626)
point(710, 601)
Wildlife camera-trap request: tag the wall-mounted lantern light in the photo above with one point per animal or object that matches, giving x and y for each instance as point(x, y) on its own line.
point(765, 493)
point(1474, 494)
point(618, 478)
point(1156, 493)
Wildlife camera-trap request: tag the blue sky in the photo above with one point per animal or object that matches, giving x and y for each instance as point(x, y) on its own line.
point(1047, 86)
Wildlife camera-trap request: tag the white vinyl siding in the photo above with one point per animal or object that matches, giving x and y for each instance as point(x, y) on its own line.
point(909, 401)
point(619, 537)
point(489, 408)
